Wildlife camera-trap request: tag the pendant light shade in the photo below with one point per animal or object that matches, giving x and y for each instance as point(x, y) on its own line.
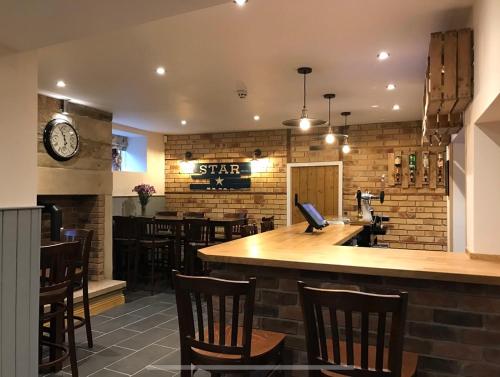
point(330, 136)
point(346, 148)
point(304, 122)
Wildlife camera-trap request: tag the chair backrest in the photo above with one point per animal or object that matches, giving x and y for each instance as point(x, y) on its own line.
point(203, 299)
point(197, 230)
point(167, 213)
point(267, 224)
point(196, 215)
point(125, 227)
point(85, 237)
point(248, 230)
point(320, 308)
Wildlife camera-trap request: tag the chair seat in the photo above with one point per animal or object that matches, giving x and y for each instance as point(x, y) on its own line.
point(157, 242)
point(263, 344)
point(409, 364)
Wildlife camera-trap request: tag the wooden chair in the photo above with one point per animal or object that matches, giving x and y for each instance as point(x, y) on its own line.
point(248, 230)
point(240, 216)
point(194, 215)
point(125, 245)
point(267, 224)
point(57, 279)
point(347, 357)
point(196, 236)
point(221, 341)
point(159, 250)
point(82, 275)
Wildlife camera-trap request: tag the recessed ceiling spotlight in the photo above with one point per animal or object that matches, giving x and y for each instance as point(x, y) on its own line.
point(374, 106)
point(240, 3)
point(160, 71)
point(184, 122)
point(390, 86)
point(396, 107)
point(383, 55)
point(256, 117)
point(61, 84)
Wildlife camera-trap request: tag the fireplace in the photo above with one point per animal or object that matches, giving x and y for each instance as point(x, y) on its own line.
point(78, 211)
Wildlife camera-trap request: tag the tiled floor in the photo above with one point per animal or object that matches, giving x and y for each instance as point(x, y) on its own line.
point(139, 339)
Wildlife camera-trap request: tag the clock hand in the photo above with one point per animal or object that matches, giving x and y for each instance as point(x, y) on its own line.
point(64, 137)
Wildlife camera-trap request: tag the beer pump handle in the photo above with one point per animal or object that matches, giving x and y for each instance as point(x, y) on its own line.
point(358, 198)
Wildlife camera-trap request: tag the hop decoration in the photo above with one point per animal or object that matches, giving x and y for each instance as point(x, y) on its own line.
point(145, 192)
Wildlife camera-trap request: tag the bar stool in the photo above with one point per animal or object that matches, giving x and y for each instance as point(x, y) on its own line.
point(125, 246)
point(196, 236)
point(346, 357)
point(158, 249)
point(82, 274)
point(240, 216)
point(212, 342)
point(248, 230)
point(267, 224)
point(57, 279)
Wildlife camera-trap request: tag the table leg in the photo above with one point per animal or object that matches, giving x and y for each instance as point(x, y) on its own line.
point(228, 232)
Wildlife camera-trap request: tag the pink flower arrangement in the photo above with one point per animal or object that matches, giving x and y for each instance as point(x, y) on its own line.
point(145, 192)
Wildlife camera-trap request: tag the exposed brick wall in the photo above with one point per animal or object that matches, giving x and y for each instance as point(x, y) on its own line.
point(267, 195)
point(418, 215)
point(453, 327)
point(85, 212)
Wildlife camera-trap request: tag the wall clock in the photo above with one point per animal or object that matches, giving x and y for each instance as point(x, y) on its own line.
point(61, 139)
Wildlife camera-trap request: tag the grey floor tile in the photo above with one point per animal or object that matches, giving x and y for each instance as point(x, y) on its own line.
point(151, 372)
point(139, 360)
point(154, 309)
point(171, 341)
point(173, 324)
point(116, 323)
point(146, 338)
point(81, 336)
point(147, 323)
point(173, 358)
point(100, 360)
point(107, 373)
point(113, 337)
point(124, 309)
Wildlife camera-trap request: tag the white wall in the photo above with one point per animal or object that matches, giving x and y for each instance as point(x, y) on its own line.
point(18, 138)
point(457, 217)
point(483, 140)
point(124, 182)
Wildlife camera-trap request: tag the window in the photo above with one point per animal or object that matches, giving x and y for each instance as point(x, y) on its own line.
point(129, 152)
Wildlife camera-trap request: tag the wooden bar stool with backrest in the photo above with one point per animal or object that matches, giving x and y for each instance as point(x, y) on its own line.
point(240, 216)
point(159, 250)
point(248, 230)
point(267, 224)
point(212, 341)
point(196, 236)
point(125, 246)
point(57, 279)
point(82, 274)
point(346, 357)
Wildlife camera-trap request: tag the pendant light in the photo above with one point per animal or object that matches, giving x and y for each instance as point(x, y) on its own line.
point(304, 123)
point(330, 136)
point(345, 148)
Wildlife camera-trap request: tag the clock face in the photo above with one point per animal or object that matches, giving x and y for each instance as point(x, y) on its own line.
point(61, 139)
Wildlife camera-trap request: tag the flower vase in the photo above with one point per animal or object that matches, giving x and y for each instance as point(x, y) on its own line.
point(143, 210)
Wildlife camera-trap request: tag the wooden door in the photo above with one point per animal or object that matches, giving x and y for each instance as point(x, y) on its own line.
point(318, 185)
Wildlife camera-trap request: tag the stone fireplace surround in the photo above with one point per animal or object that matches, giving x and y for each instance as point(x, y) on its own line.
point(85, 212)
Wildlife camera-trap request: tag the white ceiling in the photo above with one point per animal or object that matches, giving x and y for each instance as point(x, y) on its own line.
point(29, 24)
point(212, 52)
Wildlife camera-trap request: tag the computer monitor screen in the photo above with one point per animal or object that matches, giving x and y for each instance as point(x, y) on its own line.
point(312, 215)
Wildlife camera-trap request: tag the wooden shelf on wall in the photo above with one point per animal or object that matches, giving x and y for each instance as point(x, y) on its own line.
point(448, 85)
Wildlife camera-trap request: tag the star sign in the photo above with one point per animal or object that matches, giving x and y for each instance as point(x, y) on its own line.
point(219, 181)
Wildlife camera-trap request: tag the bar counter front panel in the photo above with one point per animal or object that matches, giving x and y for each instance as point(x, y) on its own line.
point(453, 319)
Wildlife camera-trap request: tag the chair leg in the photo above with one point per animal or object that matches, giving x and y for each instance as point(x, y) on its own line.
point(86, 308)
point(71, 337)
point(153, 252)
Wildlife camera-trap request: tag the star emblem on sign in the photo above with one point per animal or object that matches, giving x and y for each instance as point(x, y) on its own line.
point(219, 181)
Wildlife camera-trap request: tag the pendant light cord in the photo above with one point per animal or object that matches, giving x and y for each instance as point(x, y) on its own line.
point(304, 91)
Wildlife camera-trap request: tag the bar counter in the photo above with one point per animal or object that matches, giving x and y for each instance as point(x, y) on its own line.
point(453, 319)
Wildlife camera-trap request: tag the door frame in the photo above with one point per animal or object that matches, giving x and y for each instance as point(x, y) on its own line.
point(289, 167)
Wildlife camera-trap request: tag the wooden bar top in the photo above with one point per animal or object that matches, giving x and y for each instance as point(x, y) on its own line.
point(290, 247)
